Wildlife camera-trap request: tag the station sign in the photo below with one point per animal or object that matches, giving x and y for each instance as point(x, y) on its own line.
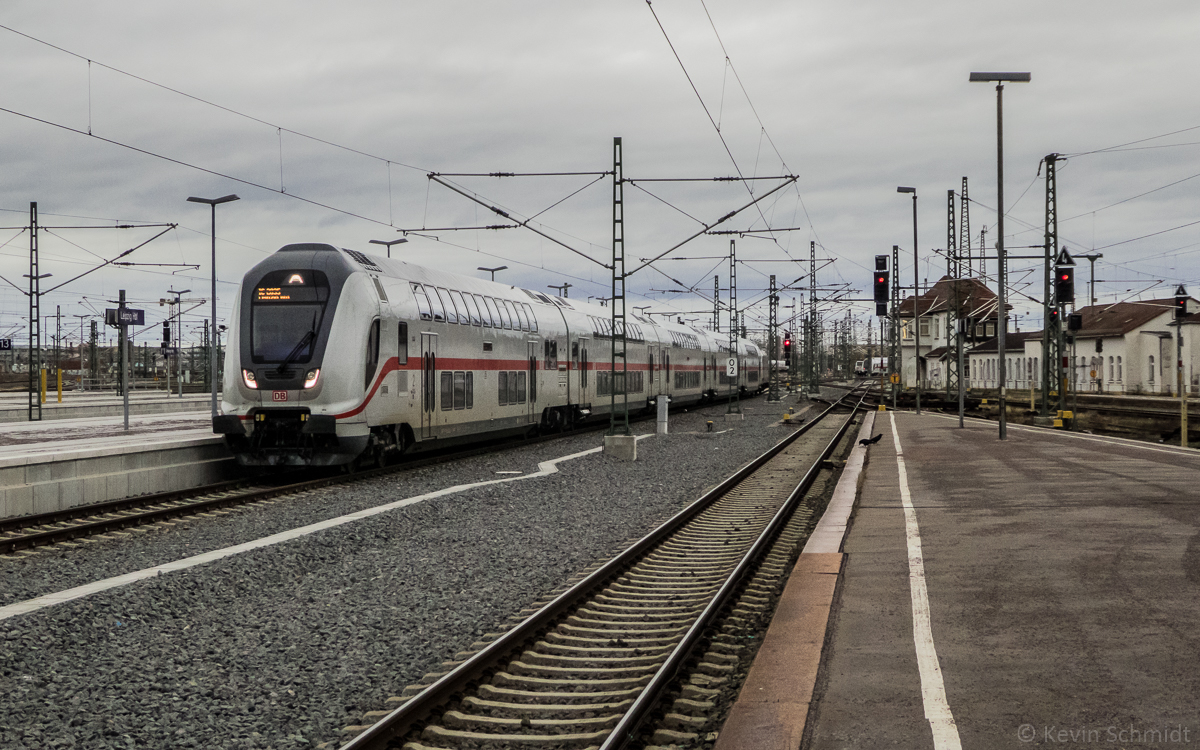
point(126, 316)
point(5, 345)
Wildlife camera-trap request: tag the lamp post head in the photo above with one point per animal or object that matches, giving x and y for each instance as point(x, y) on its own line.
point(389, 244)
point(1000, 77)
point(213, 201)
point(912, 190)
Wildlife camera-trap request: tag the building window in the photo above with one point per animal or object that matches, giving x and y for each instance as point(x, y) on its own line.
point(1112, 370)
point(1151, 368)
point(1118, 369)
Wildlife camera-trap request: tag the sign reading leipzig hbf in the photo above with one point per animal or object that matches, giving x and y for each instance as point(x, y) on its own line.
point(124, 316)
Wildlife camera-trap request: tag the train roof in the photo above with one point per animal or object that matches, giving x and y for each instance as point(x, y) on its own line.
point(412, 272)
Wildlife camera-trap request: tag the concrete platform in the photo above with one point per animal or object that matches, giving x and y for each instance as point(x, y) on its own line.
point(14, 407)
point(1040, 590)
point(46, 466)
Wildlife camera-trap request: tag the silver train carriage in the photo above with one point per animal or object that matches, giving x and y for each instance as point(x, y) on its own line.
point(334, 355)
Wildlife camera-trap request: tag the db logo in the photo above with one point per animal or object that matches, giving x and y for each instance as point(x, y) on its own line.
point(279, 395)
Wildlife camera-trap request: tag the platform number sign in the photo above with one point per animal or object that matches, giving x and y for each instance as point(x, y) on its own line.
point(5, 345)
point(731, 367)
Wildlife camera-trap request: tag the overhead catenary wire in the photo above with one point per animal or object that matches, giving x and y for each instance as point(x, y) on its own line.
point(707, 112)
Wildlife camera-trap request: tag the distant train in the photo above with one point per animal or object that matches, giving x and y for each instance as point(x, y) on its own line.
point(335, 356)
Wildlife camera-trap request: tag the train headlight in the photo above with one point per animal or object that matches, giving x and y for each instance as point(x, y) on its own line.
point(311, 377)
point(248, 379)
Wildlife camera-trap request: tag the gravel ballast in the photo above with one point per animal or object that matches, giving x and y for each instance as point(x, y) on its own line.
point(282, 646)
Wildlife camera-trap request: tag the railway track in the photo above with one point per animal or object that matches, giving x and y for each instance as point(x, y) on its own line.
point(89, 521)
point(642, 649)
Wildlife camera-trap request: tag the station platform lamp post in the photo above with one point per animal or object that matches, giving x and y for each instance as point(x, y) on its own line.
point(916, 294)
point(216, 354)
point(492, 271)
point(389, 244)
point(1001, 260)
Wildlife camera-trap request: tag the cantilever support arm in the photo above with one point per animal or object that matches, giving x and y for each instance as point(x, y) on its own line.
point(111, 262)
point(505, 214)
point(790, 179)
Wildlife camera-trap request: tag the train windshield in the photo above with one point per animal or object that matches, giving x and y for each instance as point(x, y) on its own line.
point(286, 311)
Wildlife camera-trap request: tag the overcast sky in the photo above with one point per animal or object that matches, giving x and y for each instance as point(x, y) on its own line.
point(325, 120)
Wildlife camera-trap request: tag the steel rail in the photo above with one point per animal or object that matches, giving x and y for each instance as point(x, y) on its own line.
point(626, 729)
point(418, 708)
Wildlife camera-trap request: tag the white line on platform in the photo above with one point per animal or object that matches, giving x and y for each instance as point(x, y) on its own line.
point(545, 468)
point(1126, 442)
point(933, 689)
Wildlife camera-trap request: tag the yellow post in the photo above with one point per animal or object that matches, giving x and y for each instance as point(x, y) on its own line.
point(59, 371)
point(43, 385)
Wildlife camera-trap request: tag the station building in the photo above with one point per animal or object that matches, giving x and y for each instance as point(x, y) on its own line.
point(1122, 348)
point(940, 308)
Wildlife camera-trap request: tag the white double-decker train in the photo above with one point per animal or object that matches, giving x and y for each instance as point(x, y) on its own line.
point(336, 356)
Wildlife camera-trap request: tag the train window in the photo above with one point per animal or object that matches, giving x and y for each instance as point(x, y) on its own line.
point(583, 367)
point(502, 380)
point(460, 390)
point(286, 311)
point(505, 318)
point(473, 306)
point(422, 302)
point(464, 314)
point(520, 387)
point(519, 322)
point(532, 318)
point(512, 315)
point(551, 354)
point(372, 353)
point(447, 390)
point(451, 312)
point(470, 387)
point(523, 312)
point(493, 316)
point(402, 344)
point(439, 312)
point(379, 289)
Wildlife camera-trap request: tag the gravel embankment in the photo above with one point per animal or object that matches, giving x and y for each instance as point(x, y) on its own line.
point(282, 646)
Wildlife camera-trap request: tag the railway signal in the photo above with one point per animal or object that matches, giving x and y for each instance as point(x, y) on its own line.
point(1181, 299)
point(787, 343)
point(1064, 285)
point(882, 289)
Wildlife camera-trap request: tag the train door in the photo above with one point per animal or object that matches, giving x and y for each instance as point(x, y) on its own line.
point(667, 371)
point(532, 352)
point(429, 408)
point(583, 370)
point(650, 382)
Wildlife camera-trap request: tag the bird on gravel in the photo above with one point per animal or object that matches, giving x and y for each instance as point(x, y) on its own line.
point(871, 441)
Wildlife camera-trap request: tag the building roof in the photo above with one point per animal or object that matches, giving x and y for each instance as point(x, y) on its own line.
point(1120, 318)
point(977, 301)
point(1012, 340)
